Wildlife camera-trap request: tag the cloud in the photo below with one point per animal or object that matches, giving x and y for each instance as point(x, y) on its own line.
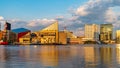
point(82, 11)
point(110, 16)
point(39, 22)
point(16, 23)
point(97, 11)
point(1, 18)
point(93, 11)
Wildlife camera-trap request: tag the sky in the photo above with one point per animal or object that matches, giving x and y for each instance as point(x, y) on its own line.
point(72, 14)
point(34, 9)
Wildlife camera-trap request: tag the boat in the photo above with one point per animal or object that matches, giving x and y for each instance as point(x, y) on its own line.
point(3, 43)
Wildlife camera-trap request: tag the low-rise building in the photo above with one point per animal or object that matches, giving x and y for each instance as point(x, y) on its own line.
point(20, 33)
point(48, 35)
point(118, 36)
point(62, 37)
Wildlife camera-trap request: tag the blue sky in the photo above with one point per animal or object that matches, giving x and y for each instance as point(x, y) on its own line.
point(33, 9)
point(37, 14)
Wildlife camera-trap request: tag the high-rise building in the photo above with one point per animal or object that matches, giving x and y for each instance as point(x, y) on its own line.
point(7, 26)
point(91, 32)
point(106, 32)
point(118, 36)
point(6, 33)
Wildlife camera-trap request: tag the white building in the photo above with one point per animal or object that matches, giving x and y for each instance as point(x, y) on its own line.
point(91, 32)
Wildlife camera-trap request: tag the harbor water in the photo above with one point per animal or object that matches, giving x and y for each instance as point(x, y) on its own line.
point(60, 56)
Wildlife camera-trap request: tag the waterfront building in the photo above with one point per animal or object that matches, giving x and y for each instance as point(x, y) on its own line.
point(34, 38)
point(48, 35)
point(106, 33)
point(7, 26)
point(6, 32)
point(25, 39)
point(62, 37)
point(70, 34)
point(77, 40)
point(118, 36)
point(72, 39)
point(91, 32)
point(20, 32)
point(1, 35)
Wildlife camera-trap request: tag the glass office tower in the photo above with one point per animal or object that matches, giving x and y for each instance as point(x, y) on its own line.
point(106, 32)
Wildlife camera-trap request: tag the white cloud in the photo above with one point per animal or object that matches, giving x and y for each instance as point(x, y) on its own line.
point(39, 22)
point(82, 11)
point(97, 11)
point(93, 11)
point(110, 16)
point(1, 18)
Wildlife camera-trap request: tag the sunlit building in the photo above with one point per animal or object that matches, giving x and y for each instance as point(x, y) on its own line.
point(70, 34)
point(7, 35)
point(6, 31)
point(20, 33)
point(91, 32)
point(106, 32)
point(1, 35)
point(72, 39)
point(25, 39)
point(62, 37)
point(118, 36)
point(48, 35)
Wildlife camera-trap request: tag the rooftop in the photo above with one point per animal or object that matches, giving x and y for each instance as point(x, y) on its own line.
point(19, 30)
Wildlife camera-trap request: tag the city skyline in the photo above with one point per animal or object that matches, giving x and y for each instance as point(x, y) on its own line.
point(72, 14)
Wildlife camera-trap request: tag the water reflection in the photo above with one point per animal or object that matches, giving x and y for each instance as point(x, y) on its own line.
point(91, 57)
point(118, 53)
point(88, 56)
point(49, 56)
point(106, 57)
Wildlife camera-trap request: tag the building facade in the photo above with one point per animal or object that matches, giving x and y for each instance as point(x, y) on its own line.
point(20, 32)
point(106, 33)
point(7, 32)
point(118, 36)
point(91, 32)
point(48, 35)
point(62, 37)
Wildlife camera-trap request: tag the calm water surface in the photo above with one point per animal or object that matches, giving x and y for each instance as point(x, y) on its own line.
point(70, 56)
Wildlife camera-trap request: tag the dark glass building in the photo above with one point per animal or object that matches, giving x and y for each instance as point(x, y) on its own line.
point(6, 32)
point(7, 26)
point(106, 32)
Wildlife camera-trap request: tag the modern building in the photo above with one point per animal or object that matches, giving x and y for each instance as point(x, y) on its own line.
point(118, 36)
point(7, 26)
point(91, 32)
point(20, 32)
point(1, 35)
point(71, 38)
point(48, 35)
point(7, 32)
point(106, 33)
point(62, 37)
point(26, 39)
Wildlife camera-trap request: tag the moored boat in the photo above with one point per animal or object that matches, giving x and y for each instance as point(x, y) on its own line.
point(3, 43)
